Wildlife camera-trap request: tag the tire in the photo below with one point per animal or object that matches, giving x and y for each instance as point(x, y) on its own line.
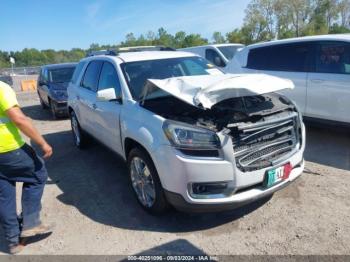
point(43, 105)
point(152, 199)
point(53, 110)
point(79, 136)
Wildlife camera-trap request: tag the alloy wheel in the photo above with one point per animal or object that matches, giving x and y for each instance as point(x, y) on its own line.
point(142, 182)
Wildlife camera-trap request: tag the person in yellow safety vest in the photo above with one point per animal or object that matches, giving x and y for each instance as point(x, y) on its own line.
point(20, 163)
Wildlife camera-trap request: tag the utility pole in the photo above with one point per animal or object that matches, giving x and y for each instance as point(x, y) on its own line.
point(12, 61)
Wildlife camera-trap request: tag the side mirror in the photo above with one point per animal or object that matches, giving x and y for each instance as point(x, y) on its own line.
point(218, 61)
point(107, 95)
point(41, 83)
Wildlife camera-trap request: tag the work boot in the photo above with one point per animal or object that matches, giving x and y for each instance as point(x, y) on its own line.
point(38, 230)
point(15, 248)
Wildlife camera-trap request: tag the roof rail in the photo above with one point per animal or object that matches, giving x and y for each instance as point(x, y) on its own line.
point(144, 48)
point(129, 49)
point(102, 52)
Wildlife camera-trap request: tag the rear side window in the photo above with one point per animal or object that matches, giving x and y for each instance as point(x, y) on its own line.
point(287, 57)
point(109, 79)
point(333, 57)
point(77, 72)
point(91, 76)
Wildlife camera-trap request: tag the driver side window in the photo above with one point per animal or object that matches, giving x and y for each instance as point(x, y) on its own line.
point(44, 76)
point(109, 79)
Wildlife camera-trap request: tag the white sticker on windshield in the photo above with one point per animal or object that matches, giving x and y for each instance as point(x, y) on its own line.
point(213, 71)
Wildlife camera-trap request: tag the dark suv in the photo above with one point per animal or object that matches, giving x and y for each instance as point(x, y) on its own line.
point(52, 87)
point(6, 79)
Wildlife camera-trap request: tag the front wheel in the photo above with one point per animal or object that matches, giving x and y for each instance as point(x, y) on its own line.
point(53, 110)
point(145, 182)
point(78, 134)
point(42, 103)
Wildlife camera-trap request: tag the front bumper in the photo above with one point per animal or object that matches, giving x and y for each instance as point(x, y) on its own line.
point(234, 201)
point(178, 172)
point(61, 107)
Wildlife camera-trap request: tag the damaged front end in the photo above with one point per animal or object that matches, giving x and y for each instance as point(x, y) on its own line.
point(265, 128)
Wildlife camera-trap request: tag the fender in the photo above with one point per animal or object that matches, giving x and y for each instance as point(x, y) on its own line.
point(148, 132)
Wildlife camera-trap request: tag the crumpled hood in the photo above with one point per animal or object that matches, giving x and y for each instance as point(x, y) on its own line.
point(208, 90)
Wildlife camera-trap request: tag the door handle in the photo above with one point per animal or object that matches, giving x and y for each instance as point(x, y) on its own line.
point(317, 81)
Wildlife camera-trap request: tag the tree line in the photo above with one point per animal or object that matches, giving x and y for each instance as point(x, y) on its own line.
point(264, 20)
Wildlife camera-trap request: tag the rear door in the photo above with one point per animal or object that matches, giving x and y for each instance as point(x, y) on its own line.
point(107, 112)
point(329, 83)
point(86, 96)
point(291, 61)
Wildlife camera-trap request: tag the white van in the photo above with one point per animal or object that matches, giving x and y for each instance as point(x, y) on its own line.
point(218, 54)
point(319, 66)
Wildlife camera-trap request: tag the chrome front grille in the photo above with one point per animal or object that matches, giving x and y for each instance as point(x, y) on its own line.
point(265, 143)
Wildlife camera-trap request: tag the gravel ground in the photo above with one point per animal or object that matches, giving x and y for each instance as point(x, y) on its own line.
point(89, 199)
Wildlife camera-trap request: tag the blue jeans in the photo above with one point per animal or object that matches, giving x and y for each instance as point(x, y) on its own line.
point(21, 165)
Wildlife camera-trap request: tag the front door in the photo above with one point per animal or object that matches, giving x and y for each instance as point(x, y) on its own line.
point(43, 86)
point(108, 112)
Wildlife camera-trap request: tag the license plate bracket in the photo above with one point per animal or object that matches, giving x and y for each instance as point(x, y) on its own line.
point(277, 175)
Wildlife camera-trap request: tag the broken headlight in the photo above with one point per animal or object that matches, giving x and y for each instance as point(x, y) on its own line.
point(185, 136)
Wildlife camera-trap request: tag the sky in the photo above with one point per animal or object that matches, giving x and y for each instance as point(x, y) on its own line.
point(65, 24)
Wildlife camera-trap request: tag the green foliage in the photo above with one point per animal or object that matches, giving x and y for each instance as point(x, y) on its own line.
point(278, 19)
point(339, 29)
point(180, 39)
point(218, 38)
point(34, 57)
point(4, 59)
point(163, 38)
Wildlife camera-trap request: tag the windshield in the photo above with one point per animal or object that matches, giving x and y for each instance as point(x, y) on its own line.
point(61, 75)
point(228, 51)
point(137, 73)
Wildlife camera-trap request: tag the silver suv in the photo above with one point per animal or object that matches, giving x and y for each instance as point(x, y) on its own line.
point(192, 137)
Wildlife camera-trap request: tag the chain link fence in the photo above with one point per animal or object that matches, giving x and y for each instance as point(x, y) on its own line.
point(15, 76)
point(20, 71)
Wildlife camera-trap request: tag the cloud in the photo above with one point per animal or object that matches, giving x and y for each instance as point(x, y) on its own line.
point(200, 16)
point(97, 21)
point(92, 10)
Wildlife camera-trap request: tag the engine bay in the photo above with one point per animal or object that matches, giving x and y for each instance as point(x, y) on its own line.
point(242, 109)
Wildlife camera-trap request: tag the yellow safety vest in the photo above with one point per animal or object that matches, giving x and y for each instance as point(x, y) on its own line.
point(10, 138)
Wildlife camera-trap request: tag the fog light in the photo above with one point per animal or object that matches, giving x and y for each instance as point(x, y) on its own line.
point(209, 188)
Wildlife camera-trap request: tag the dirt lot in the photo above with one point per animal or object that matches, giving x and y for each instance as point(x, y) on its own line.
point(89, 199)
